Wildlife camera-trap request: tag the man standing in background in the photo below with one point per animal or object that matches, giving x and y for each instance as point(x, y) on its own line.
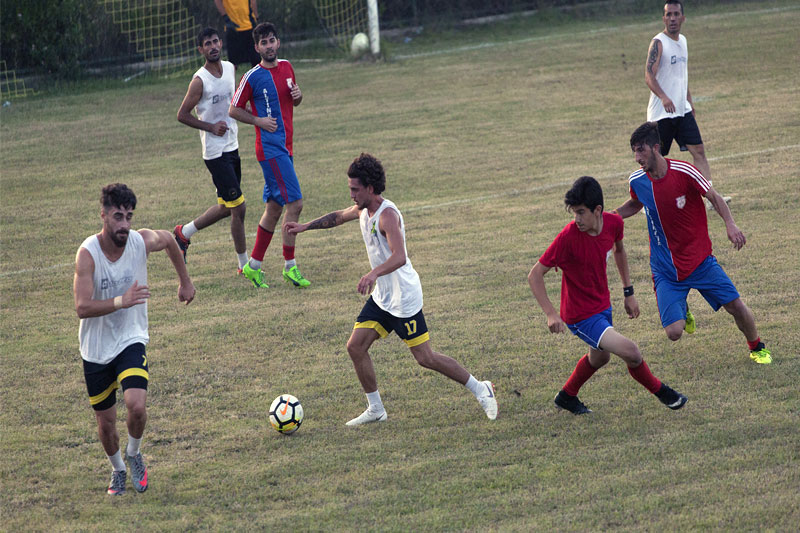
point(240, 18)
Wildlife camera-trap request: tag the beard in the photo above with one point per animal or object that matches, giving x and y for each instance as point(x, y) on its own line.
point(120, 239)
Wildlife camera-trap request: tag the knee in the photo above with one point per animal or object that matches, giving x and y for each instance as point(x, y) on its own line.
point(295, 207)
point(354, 349)
point(598, 359)
point(673, 334)
point(238, 211)
point(632, 356)
point(137, 412)
point(736, 307)
point(425, 360)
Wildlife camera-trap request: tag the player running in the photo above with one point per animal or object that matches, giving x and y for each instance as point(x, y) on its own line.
point(396, 301)
point(672, 193)
point(581, 251)
point(111, 296)
point(273, 94)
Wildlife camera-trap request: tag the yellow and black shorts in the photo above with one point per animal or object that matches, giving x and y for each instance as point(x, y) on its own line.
point(413, 330)
point(128, 369)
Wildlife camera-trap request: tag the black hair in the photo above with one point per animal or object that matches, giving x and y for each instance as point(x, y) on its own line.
point(118, 195)
point(263, 30)
point(368, 171)
point(675, 2)
point(646, 134)
point(585, 191)
point(208, 32)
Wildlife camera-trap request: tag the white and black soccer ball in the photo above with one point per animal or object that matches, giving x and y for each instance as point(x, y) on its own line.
point(286, 414)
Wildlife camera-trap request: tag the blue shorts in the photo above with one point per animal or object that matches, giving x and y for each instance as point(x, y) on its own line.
point(413, 330)
point(591, 330)
point(280, 180)
point(708, 279)
point(683, 129)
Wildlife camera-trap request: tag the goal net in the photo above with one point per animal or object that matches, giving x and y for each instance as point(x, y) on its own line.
point(343, 19)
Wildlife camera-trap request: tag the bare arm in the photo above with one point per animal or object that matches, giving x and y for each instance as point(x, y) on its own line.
point(629, 208)
point(83, 287)
point(389, 225)
point(621, 259)
point(220, 7)
point(253, 8)
point(157, 240)
point(735, 235)
point(335, 218)
point(536, 281)
point(297, 95)
point(243, 115)
point(185, 116)
point(650, 71)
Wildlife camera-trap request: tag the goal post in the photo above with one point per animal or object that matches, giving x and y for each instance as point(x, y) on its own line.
point(343, 19)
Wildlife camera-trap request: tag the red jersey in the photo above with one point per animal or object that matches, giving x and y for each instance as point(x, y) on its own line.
point(582, 259)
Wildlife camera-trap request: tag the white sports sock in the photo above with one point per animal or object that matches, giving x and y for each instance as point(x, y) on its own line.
point(375, 403)
point(189, 229)
point(289, 264)
point(242, 259)
point(133, 446)
point(116, 461)
point(255, 265)
point(475, 387)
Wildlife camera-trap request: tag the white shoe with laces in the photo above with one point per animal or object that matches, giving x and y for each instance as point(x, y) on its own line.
point(488, 400)
point(368, 416)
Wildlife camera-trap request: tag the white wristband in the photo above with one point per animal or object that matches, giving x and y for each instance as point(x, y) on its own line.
point(117, 302)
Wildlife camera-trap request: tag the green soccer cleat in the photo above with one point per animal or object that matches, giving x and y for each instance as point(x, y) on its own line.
point(294, 277)
point(690, 326)
point(255, 276)
point(761, 355)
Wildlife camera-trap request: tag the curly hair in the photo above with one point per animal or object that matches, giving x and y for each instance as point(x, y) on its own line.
point(369, 171)
point(118, 195)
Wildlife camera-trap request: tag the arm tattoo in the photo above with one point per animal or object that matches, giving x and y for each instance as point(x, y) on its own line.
point(652, 57)
point(328, 221)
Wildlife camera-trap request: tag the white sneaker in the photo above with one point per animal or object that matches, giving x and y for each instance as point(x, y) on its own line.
point(488, 400)
point(368, 416)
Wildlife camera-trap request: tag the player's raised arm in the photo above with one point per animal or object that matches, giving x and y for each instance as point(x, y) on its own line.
point(333, 219)
point(536, 281)
point(621, 259)
point(157, 240)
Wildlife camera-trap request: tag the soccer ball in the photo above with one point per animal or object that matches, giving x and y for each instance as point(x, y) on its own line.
point(286, 414)
point(359, 45)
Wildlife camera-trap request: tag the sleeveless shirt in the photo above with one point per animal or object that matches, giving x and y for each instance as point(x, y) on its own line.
point(213, 107)
point(673, 77)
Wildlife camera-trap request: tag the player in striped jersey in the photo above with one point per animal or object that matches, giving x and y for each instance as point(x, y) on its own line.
point(672, 193)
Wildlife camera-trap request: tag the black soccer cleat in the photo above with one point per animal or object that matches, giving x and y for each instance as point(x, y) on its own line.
point(570, 403)
point(671, 398)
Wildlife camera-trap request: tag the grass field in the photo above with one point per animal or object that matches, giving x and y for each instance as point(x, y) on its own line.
point(481, 135)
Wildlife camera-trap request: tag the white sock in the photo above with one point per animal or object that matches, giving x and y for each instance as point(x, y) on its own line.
point(116, 461)
point(242, 259)
point(133, 446)
point(375, 403)
point(255, 265)
point(189, 229)
point(475, 387)
point(289, 264)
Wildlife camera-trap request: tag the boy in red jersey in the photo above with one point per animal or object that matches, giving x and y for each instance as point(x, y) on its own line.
point(581, 251)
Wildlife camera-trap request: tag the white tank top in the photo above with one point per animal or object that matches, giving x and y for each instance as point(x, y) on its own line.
point(399, 293)
point(673, 77)
point(102, 338)
point(213, 107)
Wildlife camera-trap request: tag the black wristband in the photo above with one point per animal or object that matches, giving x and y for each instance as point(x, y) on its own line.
point(627, 291)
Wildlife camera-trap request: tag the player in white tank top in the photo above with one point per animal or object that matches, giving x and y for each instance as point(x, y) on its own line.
point(209, 94)
point(395, 303)
point(111, 295)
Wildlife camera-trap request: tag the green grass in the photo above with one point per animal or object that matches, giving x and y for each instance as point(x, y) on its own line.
point(480, 145)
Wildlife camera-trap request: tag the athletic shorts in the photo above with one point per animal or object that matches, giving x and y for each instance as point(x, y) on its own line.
point(591, 330)
point(241, 49)
point(128, 369)
point(226, 172)
point(412, 330)
point(280, 180)
point(708, 279)
point(683, 129)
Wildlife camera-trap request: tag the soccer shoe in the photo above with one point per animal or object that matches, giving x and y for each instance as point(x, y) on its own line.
point(138, 472)
point(368, 416)
point(256, 276)
point(690, 326)
point(671, 398)
point(761, 355)
point(570, 403)
point(294, 277)
point(183, 242)
point(117, 485)
point(488, 400)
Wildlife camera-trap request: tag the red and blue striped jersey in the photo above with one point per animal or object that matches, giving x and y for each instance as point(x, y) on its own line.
point(676, 218)
point(269, 92)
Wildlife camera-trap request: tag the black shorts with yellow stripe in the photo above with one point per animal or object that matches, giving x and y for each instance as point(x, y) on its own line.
point(128, 369)
point(412, 330)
